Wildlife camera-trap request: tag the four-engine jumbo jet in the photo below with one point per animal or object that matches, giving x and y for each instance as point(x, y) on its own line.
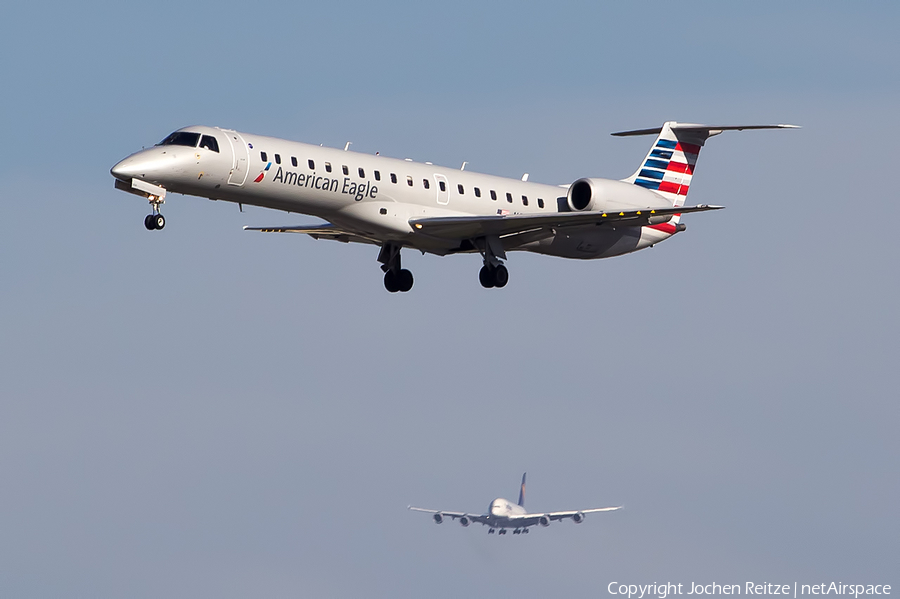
point(503, 514)
point(398, 204)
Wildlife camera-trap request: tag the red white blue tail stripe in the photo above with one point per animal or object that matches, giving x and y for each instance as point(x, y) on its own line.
point(669, 167)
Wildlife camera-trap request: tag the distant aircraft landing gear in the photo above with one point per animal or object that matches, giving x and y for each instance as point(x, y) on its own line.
point(491, 531)
point(502, 531)
point(395, 278)
point(155, 220)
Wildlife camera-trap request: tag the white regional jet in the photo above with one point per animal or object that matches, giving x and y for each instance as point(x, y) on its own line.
point(503, 514)
point(396, 204)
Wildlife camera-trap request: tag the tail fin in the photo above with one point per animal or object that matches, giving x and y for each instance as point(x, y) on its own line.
point(669, 165)
point(522, 491)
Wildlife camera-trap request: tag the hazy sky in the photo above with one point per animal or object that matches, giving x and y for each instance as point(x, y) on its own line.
point(208, 412)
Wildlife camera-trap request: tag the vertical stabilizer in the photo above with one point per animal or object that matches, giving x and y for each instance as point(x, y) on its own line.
point(669, 165)
point(522, 491)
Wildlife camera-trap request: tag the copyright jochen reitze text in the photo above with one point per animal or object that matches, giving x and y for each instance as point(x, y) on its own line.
point(663, 590)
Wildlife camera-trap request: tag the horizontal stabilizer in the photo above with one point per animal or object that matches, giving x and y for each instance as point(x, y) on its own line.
point(708, 130)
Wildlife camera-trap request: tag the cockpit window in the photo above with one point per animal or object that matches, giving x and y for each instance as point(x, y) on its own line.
point(181, 138)
point(209, 142)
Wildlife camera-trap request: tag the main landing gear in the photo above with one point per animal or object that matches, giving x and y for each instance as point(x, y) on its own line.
point(155, 220)
point(493, 276)
point(493, 273)
point(395, 278)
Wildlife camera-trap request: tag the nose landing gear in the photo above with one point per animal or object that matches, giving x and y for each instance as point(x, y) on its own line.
point(155, 220)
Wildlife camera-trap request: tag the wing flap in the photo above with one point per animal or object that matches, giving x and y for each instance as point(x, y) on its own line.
point(468, 227)
point(326, 231)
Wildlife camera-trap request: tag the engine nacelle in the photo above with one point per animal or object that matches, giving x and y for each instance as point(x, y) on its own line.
point(438, 518)
point(578, 518)
point(464, 521)
point(544, 521)
point(605, 195)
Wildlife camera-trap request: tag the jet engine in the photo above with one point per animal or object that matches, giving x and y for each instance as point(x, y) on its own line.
point(578, 518)
point(605, 195)
point(544, 521)
point(438, 518)
point(465, 521)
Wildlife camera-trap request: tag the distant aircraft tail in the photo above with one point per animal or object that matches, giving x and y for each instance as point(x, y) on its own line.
point(522, 491)
point(669, 165)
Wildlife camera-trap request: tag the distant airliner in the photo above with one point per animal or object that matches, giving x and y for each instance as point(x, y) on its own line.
point(503, 514)
point(396, 204)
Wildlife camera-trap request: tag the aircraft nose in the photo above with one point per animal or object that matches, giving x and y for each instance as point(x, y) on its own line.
point(130, 167)
point(146, 165)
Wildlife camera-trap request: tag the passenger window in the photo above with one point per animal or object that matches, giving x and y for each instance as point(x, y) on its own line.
point(477, 193)
point(362, 173)
point(393, 178)
point(345, 169)
point(327, 167)
point(312, 164)
point(509, 197)
point(264, 157)
point(524, 200)
point(377, 175)
point(493, 195)
point(540, 203)
point(294, 161)
point(409, 180)
point(426, 183)
point(460, 188)
point(277, 158)
point(209, 142)
point(443, 185)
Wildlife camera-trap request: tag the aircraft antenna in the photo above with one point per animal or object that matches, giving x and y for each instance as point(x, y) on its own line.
point(347, 145)
point(463, 167)
point(525, 177)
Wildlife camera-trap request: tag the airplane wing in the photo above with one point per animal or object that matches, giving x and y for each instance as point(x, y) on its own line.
point(577, 515)
point(326, 231)
point(572, 514)
point(468, 227)
point(454, 515)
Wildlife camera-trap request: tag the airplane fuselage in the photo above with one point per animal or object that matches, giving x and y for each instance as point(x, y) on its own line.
point(372, 195)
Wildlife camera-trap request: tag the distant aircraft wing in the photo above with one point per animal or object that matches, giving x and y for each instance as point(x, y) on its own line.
point(326, 231)
point(532, 519)
point(573, 513)
point(468, 227)
point(454, 515)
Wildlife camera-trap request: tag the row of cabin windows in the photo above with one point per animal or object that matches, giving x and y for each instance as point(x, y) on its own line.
point(409, 180)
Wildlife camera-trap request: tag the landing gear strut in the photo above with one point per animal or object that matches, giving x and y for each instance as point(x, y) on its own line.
point(493, 273)
point(155, 220)
point(395, 278)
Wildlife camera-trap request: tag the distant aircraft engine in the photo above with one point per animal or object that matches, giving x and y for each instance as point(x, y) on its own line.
point(465, 521)
point(544, 521)
point(578, 518)
point(438, 518)
point(603, 195)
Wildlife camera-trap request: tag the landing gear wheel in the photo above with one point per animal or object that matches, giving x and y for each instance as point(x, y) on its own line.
point(501, 276)
point(148, 222)
point(486, 277)
point(159, 221)
point(404, 280)
point(390, 281)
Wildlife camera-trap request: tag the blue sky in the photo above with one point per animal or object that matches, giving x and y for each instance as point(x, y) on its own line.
point(206, 412)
